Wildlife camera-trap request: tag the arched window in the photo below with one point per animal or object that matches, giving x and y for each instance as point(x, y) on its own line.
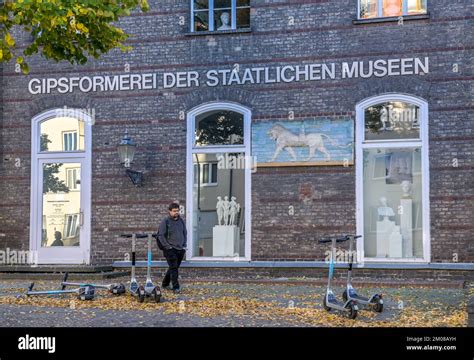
point(60, 186)
point(392, 178)
point(218, 182)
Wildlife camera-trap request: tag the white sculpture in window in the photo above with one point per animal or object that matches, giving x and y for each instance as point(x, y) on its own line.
point(227, 211)
point(234, 210)
point(385, 211)
point(226, 207)
point(225, 22)
point(220, 210)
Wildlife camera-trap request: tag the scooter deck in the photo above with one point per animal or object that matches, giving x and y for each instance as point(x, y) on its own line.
point(360, 298)
point(336, 302)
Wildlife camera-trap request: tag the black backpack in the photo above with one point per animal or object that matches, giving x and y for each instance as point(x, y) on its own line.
point(158, 242)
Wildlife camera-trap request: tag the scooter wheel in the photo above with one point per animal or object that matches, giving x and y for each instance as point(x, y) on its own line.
point(327, 308)
point(141, 294)
point(344, 295)
point(156, 293)
point(378, 307)
point(118, 289)
point(352, 313)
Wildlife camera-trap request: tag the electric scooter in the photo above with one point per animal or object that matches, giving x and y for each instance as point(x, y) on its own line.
point(330, 301)
point(150, 290)
point(135, 289)
point(86, 292)
point(375, 302)
point(116, 289)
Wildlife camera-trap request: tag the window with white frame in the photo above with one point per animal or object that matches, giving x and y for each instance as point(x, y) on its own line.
point(69, 140)
point(219, 15)
point(218, 218)
point(389, 8)
point(73, 178)
point(71, 227)
point(392, 178)
point(206, 174)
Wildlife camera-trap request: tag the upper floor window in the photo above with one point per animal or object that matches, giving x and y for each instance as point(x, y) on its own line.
point(220, 15)
point(219, 127)
point(69, 140)
point(388, 8)
point(392, 120)
point(61, 134)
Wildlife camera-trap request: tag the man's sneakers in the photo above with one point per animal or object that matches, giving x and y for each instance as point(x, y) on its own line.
point(177, 291)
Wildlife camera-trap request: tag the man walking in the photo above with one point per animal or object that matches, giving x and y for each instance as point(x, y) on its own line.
point(172, 235)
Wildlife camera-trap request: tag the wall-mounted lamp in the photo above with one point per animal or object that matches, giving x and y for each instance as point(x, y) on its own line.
point(126, 150)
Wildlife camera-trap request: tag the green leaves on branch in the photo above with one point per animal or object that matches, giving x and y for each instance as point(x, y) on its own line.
point(71, 30)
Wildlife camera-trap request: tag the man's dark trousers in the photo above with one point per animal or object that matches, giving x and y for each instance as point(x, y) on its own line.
point(174, 258)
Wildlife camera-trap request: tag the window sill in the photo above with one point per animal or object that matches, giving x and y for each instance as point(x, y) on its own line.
point(391, 19)
point(218, 32)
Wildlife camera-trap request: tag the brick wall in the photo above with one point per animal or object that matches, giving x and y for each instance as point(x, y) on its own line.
point(282, 32)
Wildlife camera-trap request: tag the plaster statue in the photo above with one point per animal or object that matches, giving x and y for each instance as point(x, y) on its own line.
point(226, 207)
point(220, 210)
point(406, 188)
point(385, 211)
point(225, 22)
point(234, 210)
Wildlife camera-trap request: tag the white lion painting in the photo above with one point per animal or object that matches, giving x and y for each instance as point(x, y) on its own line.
point(287, 140)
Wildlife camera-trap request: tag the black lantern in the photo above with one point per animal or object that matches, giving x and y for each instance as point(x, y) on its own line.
point(126, 150)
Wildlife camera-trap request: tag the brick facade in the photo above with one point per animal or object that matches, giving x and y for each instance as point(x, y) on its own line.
point(283, 32)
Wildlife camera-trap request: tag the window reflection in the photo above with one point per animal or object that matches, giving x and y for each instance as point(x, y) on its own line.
point(61, 204)
point(392, 120)
point(218, 205)
point(62, 134)
point(220, 127)
point(393, 208)
point(368, 9)
point(390, 8)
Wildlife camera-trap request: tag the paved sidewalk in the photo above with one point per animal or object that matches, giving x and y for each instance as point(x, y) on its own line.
point(227, 304)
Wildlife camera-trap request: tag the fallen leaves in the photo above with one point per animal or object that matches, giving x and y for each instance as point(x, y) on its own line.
point(276, 305)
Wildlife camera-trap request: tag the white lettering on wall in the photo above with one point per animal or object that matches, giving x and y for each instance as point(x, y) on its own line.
point(230, 77)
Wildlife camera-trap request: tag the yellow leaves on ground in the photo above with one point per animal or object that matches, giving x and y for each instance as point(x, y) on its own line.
point(235, 306)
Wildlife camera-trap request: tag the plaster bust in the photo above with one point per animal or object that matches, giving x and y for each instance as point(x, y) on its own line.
point(384, 210)
point(406, 188)
point(225, 22)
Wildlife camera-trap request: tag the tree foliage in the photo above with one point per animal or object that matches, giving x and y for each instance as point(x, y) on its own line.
point(60, 30)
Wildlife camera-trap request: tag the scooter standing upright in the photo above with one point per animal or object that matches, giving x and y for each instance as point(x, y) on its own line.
point(150, 289)
point(375, 302)
point(330, 301)
point(135, 289)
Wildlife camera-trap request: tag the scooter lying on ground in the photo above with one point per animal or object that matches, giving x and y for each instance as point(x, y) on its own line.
point(375, 302)
point(149, 290)
point(349, 307)
point(116, 289)
point(86, 292)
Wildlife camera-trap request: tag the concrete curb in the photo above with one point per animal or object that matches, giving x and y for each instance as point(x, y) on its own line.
point(59, 276)
point(338, 282)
